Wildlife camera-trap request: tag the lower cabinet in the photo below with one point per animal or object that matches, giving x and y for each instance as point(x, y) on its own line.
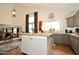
point(75, 43)
point(61, 39)
point(35, 45)
point(71, 40)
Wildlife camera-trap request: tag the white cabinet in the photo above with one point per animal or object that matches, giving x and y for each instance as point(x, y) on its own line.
point(25, 47)
point(39, 45)
point(35, 45)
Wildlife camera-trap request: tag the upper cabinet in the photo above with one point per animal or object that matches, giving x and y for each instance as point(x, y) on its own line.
point(73, 21)
point(70, 21)
point(76, 18)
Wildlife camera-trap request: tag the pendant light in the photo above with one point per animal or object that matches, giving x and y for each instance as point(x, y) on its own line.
point(51, 16)
point(14, 12)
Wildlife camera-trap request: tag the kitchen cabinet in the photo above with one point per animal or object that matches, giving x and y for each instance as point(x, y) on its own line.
point(75, 43)
point(70, 21)
point(61, 39)
point(35, 45)
point(76, 18)
point(25, 44)
point(73, 21)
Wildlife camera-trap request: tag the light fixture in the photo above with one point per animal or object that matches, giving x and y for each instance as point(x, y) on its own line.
point(51, 16)
point(14, 12)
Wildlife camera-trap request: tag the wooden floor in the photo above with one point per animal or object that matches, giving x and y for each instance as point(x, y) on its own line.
point(62, 50)
point(56, 50)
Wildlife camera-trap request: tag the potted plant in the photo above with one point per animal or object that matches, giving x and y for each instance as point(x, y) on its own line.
point(32, 30)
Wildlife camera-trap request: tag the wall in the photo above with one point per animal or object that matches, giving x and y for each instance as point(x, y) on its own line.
point(6, 15)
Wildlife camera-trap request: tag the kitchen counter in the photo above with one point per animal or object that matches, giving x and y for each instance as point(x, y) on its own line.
point(37, 34)
point(46, 34)
point(74, 35)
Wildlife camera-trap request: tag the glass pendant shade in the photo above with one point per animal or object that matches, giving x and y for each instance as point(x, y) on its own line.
point(14, 13)
point(51, 16)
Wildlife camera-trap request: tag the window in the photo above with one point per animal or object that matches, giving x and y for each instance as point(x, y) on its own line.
point(15, 30)
point(31, 24)
point(52, 26)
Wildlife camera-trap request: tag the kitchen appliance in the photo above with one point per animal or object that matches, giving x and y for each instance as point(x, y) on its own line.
point(72, 30)
point(77, 30)
point(69, 30)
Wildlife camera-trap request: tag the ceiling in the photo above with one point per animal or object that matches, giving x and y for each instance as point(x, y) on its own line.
point(68, 8)
point(55, 6)
point(65, 8)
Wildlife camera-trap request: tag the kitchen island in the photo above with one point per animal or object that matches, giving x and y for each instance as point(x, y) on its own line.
point(36, 43)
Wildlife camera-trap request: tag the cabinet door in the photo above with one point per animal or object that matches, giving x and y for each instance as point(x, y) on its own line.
point(72, 38)
point(59, 39)
point(76, 18)
point(70, 21)
point(75, 43)
point(77, 46)
point(26, 45)
point(38, 45)
point(34, 45)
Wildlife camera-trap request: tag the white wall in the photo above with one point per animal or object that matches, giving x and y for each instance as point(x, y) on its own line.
point(6, 15)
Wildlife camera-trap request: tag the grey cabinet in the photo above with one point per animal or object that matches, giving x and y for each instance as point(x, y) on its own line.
point(61, 39)
point(75, 43)
point(67, 39)
point(70, 21)
point(73, 21)
point(76, 18)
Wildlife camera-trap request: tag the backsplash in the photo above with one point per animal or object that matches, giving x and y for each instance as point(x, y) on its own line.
point(72, 30)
